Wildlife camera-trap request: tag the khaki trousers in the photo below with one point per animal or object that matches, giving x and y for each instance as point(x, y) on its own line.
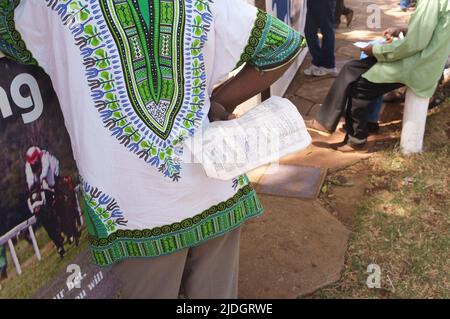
point(207, 271)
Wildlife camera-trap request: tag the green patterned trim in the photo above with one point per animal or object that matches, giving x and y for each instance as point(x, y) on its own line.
point(159, 241)
point(255, 37)
point(272, 43)
point(11, 43)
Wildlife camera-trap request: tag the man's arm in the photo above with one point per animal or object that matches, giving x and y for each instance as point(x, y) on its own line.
point(262, 43)
point(420, 32)
point(246, 84)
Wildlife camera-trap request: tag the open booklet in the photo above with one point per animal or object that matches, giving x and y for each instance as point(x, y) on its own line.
point(261, 136)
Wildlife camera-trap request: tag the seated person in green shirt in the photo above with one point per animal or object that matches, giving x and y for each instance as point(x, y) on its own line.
point(416, 61)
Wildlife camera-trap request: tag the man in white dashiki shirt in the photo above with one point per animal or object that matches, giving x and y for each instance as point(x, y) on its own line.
point(135, 78)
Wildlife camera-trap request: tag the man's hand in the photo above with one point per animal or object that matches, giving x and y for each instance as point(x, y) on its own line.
point(391, 33)
point(368, 50)
point(218, 113)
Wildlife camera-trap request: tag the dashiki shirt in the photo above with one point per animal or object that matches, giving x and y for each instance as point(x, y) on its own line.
point(134, 78)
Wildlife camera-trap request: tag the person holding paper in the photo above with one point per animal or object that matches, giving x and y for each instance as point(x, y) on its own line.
point(416, 61)
point(134, 79)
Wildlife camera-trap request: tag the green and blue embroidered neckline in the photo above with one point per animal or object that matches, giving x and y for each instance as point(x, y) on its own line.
point(145, 67)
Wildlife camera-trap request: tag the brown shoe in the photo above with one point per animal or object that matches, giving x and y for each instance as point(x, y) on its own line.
point(349, 148)
point(313, 125)
point(350, 145)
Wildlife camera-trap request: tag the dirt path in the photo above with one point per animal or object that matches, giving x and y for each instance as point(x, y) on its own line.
point(299, 246)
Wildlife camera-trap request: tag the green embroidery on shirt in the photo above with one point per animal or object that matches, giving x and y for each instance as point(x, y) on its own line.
point(255, 37)
point(149, 35)
point(147, 78)
point(11, 43)
point(159, 241)
point(272, 43)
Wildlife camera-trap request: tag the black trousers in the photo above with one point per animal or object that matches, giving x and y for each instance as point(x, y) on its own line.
point(353, 94)
point(320, 16)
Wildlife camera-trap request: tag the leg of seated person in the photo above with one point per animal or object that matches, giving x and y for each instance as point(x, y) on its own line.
point(334, 104)
point(374, 115)
point(375, 109)
point(362, 93)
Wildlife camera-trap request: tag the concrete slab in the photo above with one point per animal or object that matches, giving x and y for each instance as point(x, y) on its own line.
point(303, 105)
point(317, 90)
point(313, 110)
point(321, 154)
point(295, 248)
point(292, 181)
point(349, 51)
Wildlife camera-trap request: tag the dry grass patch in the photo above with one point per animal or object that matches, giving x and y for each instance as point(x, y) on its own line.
point(403, 225)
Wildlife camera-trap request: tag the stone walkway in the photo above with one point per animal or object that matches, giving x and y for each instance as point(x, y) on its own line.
point(298, 246)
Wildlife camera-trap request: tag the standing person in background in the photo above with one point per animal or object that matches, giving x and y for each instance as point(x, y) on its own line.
point(342, 10)
point(320, 16)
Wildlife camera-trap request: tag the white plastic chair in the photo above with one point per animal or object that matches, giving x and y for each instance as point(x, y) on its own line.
point(414, 121)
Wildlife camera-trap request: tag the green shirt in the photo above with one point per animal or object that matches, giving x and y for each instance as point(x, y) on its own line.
point(417, 60)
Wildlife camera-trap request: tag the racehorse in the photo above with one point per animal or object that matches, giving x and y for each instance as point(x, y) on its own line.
point(67, 209)
point(41, 204)
point(57, 211)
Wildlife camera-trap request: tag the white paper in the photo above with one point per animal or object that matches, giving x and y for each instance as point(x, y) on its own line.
point(263, 135)
point(361, 45)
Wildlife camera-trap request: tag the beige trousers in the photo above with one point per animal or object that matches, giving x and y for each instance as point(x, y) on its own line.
point(207, 271)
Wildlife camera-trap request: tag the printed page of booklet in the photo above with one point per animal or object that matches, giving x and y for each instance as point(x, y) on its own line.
point(261, 136)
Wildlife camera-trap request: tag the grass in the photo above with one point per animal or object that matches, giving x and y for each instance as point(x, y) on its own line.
point(24, 250)
point(403, 224)
point(37, 273)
